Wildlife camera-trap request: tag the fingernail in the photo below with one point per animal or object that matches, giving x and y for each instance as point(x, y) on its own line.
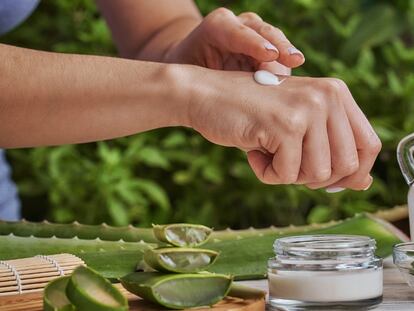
point(334, 189)
point(270, 47)
point(294, 51)
point(370, 184)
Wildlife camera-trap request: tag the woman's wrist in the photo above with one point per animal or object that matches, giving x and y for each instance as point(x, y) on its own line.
point(187, 87)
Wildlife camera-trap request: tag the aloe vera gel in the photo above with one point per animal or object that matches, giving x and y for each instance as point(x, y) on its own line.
point(325, 270)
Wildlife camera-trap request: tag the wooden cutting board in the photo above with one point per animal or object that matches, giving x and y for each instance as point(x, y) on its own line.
point(33, 301)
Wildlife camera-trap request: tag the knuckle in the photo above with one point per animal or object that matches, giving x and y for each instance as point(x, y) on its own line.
point(347, 169)
point(277, 31)
point(221, 12)
point(266, 28)
point(316, 103)
point(288, 178)
point(332, 86)
point(250, 16)
point(321, 175)
point(374, 146)
point(295, 123)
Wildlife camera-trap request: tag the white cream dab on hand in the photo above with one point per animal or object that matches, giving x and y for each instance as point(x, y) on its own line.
point(265, 77)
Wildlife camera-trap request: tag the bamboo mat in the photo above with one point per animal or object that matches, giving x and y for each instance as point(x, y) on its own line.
point(27, 275)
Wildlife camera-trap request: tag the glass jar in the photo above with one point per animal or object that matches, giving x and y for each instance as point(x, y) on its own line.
point(325, 270)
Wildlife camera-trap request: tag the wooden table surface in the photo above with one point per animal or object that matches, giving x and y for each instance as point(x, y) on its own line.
point(398, 296)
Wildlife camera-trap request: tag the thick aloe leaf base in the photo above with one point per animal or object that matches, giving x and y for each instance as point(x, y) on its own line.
point(178, 291)
point(88, 290)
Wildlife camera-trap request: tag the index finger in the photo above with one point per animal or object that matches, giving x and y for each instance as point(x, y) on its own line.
point(289, 55)
point(227, 33)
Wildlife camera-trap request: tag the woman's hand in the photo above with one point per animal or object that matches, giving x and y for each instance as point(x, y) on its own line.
point(228, 42)
point(304, 131)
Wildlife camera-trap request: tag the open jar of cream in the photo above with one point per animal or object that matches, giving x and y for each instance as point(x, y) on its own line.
point(325, 270)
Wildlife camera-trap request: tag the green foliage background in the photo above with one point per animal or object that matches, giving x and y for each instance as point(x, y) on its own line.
point(174, 174)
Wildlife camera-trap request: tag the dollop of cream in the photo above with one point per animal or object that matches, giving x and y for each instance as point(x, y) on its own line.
point(265, 77)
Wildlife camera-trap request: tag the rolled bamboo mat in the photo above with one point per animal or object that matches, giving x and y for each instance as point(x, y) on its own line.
point(28, 275)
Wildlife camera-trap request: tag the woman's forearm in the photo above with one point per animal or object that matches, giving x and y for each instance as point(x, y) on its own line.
point(50, 99)
point(146, 30)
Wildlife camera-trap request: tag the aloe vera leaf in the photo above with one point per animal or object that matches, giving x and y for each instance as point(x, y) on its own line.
point(246, 257)
point(112, 264)
point(178, 291)
point(182, 235)
point(179, 260)
point(12, 246)
point(246, 292)
point(243, 252)
point(88, 290)
point(54, 297)
point(105, 232)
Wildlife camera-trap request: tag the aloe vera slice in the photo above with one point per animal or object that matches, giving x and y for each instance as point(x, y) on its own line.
point(54, 298)
point(178, 291)
point(182, 235)
point(246, 292)
point(180, 260)
point(88, 290)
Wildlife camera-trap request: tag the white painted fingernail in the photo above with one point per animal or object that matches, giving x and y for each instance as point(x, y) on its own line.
point(334, 189)
point(294, 51)
point(369, 186)
point(270, 47)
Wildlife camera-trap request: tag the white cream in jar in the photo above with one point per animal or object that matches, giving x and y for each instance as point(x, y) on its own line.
point(325, 270)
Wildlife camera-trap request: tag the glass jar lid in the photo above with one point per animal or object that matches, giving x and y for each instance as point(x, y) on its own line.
point(328, 250)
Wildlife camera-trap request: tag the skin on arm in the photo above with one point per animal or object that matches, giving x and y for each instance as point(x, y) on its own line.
point(147, 29)
point(51, 98)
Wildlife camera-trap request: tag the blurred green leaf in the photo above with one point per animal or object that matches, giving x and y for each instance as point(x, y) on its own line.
point(154, 191)
point(118, 213)
point(153, 157)
point(320, 214)
point(379, 24)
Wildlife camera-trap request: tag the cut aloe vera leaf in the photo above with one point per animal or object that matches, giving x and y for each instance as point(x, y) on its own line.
point(180, 260)
point(178, 291)
point(246, 292)
point(88, 290)
point(182, 235)
point(54, 297)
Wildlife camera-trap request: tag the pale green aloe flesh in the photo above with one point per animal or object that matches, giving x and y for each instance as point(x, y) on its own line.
point(180, 260)
point(178, 291)
point(54, 297)
point(88, 290)
point(243, 253)
point(182, 235)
